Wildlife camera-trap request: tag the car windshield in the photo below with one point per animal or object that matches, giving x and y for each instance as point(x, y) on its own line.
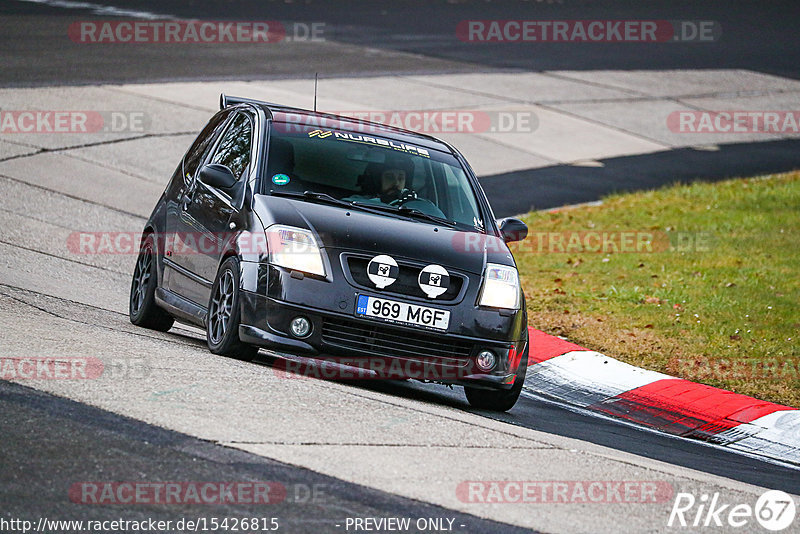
point(365, 169)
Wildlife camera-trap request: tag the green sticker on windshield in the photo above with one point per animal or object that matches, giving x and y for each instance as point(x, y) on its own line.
point(280, 179)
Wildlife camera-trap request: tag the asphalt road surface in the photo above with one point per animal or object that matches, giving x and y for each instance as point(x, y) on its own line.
point(177, 413)
point(363, 37)
point(50, 444)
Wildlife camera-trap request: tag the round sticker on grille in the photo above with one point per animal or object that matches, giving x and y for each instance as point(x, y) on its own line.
point(382, 270)
point(434, 280)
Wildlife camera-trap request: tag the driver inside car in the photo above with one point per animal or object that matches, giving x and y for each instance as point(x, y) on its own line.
point(393, 182)
point(385, 182)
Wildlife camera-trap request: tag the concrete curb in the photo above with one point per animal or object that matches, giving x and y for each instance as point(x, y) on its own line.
point(572, 374)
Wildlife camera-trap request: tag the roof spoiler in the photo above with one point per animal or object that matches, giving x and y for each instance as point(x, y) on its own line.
point(227, 101)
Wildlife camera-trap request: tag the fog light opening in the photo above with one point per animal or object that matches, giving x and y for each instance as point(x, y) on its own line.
point(486, 360)
point(300, 327)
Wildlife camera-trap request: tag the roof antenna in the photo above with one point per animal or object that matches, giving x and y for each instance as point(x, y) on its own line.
point(316, 75)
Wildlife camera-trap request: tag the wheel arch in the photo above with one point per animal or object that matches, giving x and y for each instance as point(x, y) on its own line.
point(150, 230)
point(251, 253)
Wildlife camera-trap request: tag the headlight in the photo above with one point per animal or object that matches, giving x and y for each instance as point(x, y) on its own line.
point(294, 248)
point(500, 287)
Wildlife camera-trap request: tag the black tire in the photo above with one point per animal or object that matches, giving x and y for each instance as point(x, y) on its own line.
point(499, 400)
point(224, 315)
point(142, 308)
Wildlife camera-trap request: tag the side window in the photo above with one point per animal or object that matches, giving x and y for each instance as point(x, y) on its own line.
point(200, 146)
point(233, 149)
point(462, 206)
point(423, 181)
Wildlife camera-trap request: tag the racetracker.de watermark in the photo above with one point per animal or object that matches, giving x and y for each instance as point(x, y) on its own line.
point(564, 492)
point(766, 369)
point(734, 121)
point(422, 121)
point(563, 242)
point(588, 241)
point(50, 368)
point(183, 243)
point(177, 493)
point(194, 32)
point(72, 121)
point(588, 31)
point(380, 368)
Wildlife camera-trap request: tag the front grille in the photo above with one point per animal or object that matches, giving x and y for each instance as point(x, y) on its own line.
point(407, 280)
point(387, 341)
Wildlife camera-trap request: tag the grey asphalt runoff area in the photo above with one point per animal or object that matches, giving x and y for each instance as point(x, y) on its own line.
point(171, 411)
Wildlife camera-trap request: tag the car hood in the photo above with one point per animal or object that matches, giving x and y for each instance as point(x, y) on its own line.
point(355, 230)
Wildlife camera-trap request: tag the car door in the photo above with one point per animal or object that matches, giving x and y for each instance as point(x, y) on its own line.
point(206, 212)
point(176, 248)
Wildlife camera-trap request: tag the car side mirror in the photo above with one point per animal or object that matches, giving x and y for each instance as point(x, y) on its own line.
point(512, 229)
point(218, 176)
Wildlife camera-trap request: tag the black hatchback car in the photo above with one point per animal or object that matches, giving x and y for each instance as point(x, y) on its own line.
point(335, 238)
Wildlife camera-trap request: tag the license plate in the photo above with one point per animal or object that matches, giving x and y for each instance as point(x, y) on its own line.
point(403, 313)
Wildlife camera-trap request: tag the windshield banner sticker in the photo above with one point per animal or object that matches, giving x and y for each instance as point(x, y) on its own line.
point(376, 141)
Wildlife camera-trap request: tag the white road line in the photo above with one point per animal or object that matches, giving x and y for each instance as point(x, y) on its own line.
point(776, 435)
point(99, 9)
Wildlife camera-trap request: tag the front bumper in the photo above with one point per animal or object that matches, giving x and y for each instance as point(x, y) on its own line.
point(387, 350)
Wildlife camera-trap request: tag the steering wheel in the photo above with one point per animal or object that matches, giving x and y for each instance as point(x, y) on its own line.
point(406, 195)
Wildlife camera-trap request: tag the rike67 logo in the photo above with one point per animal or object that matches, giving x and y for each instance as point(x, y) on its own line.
point(774, 510)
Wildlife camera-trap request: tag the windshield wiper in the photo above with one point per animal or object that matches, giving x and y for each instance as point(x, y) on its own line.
point(325, 197)
point(310, 195)
point(381, 207)
point(402, 210)
point(422, 215)
point(412, 212)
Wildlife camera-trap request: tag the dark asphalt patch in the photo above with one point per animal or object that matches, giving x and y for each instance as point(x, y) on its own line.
point(550, 417)
point(519, 192)
point(49, 444)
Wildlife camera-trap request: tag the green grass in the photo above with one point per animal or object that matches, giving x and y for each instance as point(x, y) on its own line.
point(717, 300)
